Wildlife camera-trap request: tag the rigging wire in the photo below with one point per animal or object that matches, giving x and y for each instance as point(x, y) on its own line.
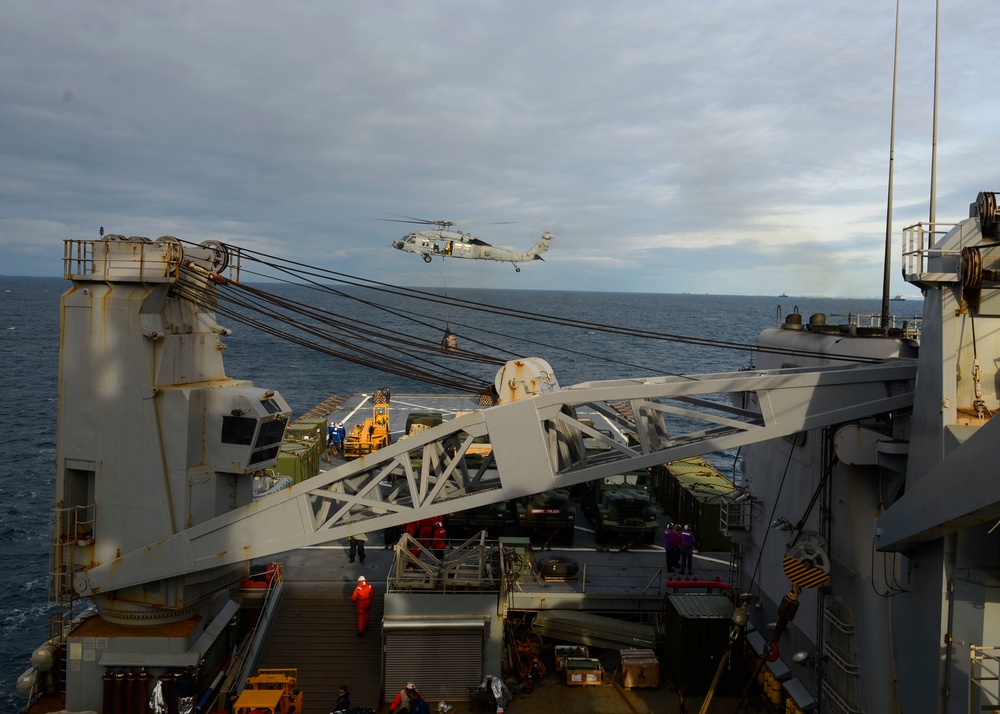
point(770, 520)
point(381, 335)
point(444, 287)
point(413, 317)
point(404, 314)
point(541, 317)
point(411, 348)
point(193, 293)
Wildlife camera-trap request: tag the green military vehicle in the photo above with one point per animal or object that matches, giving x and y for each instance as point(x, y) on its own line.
point(550, 515)
point(496, 519)
point(622, 506)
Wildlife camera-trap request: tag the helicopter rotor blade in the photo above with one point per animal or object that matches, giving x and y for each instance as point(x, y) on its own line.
point(417, 221)
point(442, 224)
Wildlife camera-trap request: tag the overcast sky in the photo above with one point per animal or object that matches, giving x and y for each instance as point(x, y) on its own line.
point(723, 147)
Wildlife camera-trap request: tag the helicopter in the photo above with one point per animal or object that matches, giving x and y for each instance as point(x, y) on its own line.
point(458, 244)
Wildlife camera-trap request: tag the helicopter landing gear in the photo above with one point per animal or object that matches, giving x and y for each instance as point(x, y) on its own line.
point(427, 259)
point(517, 268)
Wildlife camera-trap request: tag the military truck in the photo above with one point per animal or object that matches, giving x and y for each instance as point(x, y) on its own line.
point(496, 519)
point(418, 421)
point(621, 505)
point(550, 515)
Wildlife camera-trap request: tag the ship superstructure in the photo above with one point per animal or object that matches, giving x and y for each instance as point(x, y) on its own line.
point(154, 439)
point(904, 501)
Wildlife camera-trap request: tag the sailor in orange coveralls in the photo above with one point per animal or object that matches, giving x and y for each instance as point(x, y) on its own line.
point(363, 596)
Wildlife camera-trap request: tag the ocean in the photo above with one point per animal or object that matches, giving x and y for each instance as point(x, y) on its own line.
point(29, 345)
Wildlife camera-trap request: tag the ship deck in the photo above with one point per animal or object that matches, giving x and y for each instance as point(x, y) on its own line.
point(612, 576)
point(615, 577)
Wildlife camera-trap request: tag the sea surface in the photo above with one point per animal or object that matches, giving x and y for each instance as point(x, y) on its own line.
point(29, 350)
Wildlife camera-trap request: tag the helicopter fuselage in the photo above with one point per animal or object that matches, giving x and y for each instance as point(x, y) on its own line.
point(456, 244)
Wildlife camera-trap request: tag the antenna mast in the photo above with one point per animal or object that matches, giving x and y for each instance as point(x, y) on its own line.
point(887, 261)
point(937, 32)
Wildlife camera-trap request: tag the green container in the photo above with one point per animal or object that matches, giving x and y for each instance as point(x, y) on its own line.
point(693, 492)
point(696, 635)
point(310, 433)
point(318, 425)
point(293, 461)
point(307, 430)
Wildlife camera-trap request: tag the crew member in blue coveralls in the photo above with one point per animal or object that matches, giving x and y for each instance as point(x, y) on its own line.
point(343, 700)
point(335, 441)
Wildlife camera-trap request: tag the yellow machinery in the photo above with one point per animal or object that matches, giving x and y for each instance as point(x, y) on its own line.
point(373, 433)
point(272, 691)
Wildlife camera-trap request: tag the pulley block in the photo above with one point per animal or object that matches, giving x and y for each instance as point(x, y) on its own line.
point(806, 562)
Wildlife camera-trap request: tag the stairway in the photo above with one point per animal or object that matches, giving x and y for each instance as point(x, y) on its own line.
point(314, 632)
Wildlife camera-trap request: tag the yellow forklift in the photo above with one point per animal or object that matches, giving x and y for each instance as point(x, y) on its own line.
point(373, 433)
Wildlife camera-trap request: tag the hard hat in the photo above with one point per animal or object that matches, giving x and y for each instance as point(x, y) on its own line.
point(439, 524)
point(670, 525)
point(411, 685)
point(361, 578)
point(687, 527)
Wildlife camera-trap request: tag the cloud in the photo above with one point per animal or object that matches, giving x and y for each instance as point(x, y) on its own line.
point(716, 137)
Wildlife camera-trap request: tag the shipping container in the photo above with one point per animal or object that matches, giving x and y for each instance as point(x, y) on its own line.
point(294, 462)
point(693, 492)
point(696, 636)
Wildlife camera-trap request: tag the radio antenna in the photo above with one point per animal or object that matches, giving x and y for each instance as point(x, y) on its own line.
point(887, 261)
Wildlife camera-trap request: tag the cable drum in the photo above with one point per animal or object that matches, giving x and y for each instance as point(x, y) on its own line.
point(806, 562)
point(972, 268)
point(989, 217)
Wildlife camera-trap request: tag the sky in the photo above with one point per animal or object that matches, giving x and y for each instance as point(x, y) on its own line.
point(712, 147)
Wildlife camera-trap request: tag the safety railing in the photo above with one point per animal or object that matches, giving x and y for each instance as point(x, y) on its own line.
point(918, 250)
point(138, 259)
point(984, 678)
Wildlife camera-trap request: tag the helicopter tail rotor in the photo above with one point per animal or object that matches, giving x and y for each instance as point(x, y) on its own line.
point(548, 234)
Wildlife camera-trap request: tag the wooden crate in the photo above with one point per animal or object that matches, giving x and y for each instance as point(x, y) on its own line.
point(640, 668)
point(580, 671)
point(641, 672)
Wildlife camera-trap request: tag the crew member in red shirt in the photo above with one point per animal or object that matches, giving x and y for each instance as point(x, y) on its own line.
point(439, 539)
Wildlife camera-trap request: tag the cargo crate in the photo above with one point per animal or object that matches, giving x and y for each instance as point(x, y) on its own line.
point(581, 671)
point(640, 668)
